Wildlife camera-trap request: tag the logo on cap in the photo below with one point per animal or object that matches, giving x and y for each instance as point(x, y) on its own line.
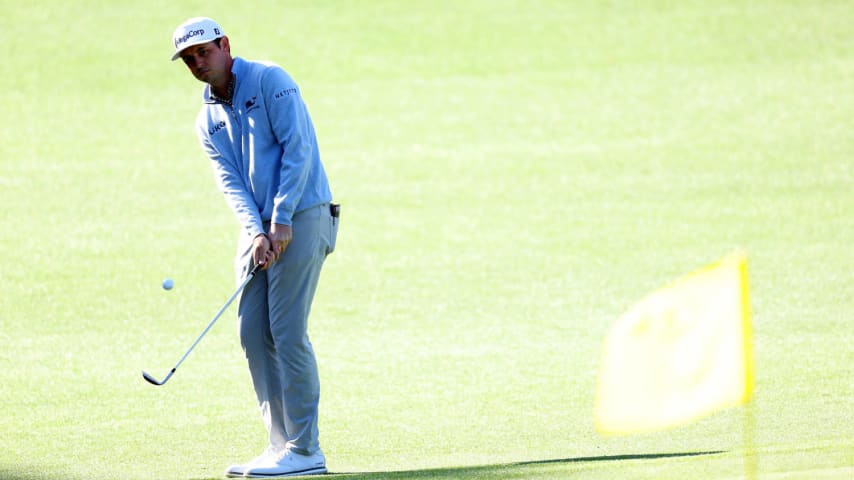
point(189, 35)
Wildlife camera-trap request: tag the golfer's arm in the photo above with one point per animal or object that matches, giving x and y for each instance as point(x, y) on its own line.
point(292, 128)
point(238, 198)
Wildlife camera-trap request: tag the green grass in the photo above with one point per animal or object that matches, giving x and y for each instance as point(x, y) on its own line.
point(514, 176)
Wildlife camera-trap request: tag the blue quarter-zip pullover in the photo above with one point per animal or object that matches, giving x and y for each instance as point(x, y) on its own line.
point(263, 147)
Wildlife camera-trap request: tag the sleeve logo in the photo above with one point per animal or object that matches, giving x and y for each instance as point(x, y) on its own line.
point(285, 93)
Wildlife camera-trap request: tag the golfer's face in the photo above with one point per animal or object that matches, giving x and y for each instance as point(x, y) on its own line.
point(207, 62)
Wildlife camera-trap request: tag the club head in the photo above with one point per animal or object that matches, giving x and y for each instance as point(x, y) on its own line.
point(148, 378)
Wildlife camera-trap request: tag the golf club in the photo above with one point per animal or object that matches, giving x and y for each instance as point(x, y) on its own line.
point(148, 378)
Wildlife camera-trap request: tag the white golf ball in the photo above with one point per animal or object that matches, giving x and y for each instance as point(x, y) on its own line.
point(168, 284)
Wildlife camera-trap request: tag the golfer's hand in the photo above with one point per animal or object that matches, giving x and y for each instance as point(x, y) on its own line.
point(280, 237)
point(262, 252)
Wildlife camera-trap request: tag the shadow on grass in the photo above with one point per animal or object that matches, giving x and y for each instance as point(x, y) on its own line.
point(31, 473)
point(506, 470)
point(611, 458)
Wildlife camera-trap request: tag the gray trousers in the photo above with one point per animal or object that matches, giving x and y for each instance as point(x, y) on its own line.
point(273, 324)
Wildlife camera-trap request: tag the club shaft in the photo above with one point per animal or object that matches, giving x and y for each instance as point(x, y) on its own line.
point(234, 295)
point(216, 317)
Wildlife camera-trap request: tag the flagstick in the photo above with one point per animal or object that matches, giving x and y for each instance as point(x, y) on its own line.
point(748, 424)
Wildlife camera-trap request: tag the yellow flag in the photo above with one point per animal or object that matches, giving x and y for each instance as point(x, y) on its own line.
point(680, 354)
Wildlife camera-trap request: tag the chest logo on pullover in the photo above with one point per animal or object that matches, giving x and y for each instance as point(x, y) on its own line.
point(216, 127)
point(251, 104)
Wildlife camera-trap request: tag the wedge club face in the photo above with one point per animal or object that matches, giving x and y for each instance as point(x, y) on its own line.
point(148, 378)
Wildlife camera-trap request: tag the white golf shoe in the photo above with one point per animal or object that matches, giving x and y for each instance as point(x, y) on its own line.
point(288, 464)
point(238, 471)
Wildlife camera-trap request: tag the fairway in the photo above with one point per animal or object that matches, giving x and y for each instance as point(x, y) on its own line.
point(514, 176)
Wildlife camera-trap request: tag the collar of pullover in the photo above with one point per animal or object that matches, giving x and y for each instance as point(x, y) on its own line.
point(210, 97)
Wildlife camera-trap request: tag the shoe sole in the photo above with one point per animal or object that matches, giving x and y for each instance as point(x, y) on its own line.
point(234, 473)
point(308, 471)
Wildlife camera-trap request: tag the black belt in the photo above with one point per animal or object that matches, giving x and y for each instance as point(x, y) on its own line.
point(335, 210)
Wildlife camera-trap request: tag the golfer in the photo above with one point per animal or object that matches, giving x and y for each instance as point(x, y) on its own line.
point(256, 130)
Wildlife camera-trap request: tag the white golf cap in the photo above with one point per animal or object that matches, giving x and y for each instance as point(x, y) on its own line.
point(195, 31)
